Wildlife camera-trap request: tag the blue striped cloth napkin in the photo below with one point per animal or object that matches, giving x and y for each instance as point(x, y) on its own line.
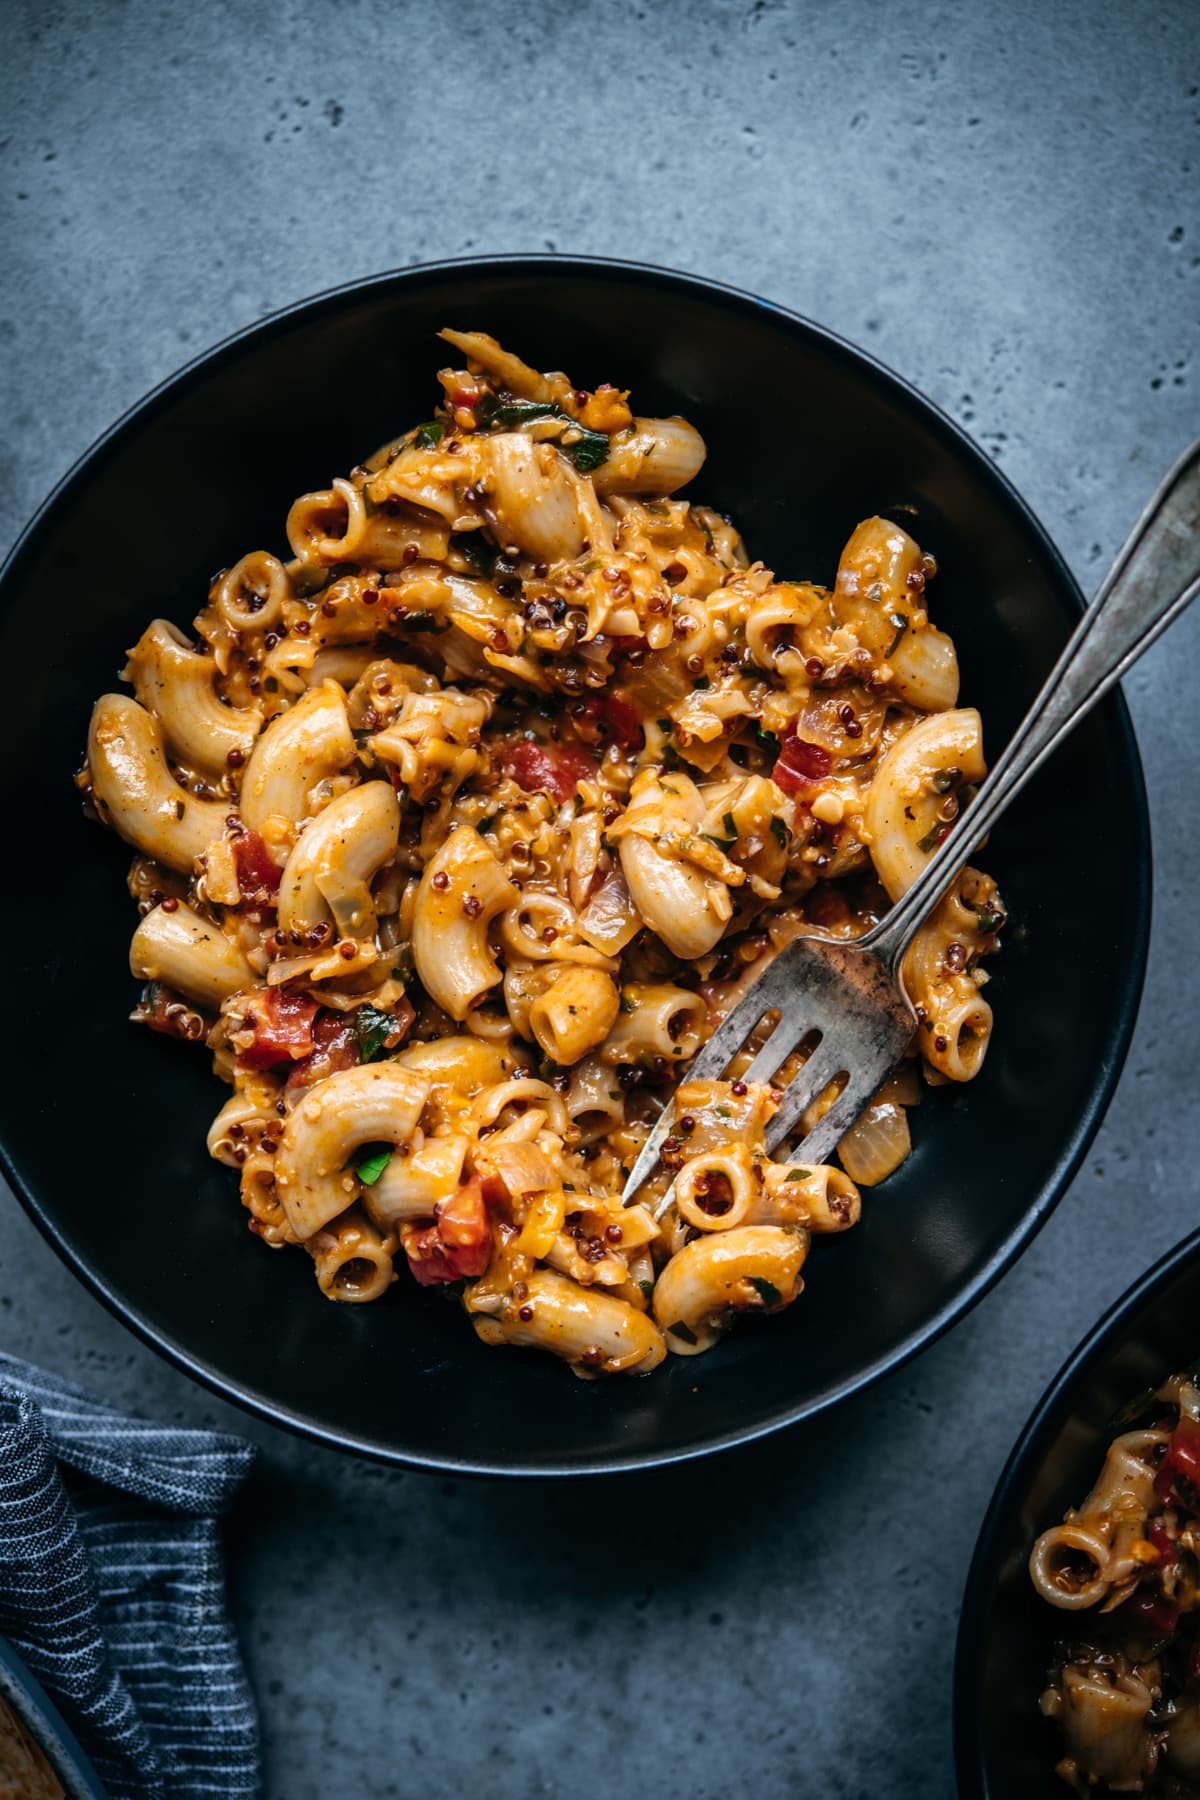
point(112, 1587)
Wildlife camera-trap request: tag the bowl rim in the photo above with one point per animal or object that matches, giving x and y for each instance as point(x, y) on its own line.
point(1023, 1461)
point(1129, 986)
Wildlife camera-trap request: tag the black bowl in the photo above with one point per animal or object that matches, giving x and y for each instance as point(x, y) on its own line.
point(103, 1125)
point(1002, 1744)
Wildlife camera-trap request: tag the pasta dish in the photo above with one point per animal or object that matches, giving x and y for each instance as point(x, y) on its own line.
point(458, 832)
point(1125, 1685)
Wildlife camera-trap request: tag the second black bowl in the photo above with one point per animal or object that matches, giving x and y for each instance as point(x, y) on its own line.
point(103, 1126)
point(1006, 1632)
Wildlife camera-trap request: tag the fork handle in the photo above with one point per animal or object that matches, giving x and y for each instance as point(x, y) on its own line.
point(1156, 575)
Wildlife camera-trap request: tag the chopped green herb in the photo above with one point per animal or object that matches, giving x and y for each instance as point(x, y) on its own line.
point(875, 593)
point(475, 547)
point(180, 809)
point(685, 1332)
point(932, 838)
point(615, 1094)
point(901, 624)
point(702, 681)
point(373, 1159)
point(626, 1003)
point(766, 1290)
point(989, 919)
point(492, 411)
point(647, 1288)
point(372, 1029)
point(488, 824)
point(766, 740)
point(779, 832)
point(423, 621)
point(667, 725)
point(942, 781)
point(723, 844)
point(430, 433)
point(730, 824)
point(588, 451)
point(590, 567)
point(798, 1175)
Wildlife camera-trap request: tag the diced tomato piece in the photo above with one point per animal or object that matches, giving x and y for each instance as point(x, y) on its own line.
point(1147, 1613)
point(554, 769)
point(494, 1191)
point(609, 719)
point(800, 763)
point(620, 645)
point(255, 869)
point(457, 1244)
point(1178, 1476)
point(283, 1028)
point(825, 905)
point(1166, 1546)
point(165, 1010)
point(334, 1047)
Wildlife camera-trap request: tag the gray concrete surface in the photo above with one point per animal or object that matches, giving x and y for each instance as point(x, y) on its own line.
point(1001, 203)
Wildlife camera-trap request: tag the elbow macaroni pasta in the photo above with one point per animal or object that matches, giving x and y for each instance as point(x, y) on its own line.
point(462, 827)
point(1122, 1690)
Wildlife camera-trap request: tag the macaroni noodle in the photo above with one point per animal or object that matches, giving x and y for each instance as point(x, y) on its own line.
point(462, 827)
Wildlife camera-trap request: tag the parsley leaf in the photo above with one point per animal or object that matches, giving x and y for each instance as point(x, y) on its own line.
point(933, 838)
point(589, 448)
point(702, 681)
point(475, 547)
point(989, 919)
point(730, 824)
point(766, 1290)
point(588, 451)
point(373, 1159)
point(766, 740)
point(430, 433)
point(492, 411)
point(372, 1029)
point(901, 624)
point(423, 620)
point(680, 1330)
point(488, 824)
point(779, 832)
point(797, 1175)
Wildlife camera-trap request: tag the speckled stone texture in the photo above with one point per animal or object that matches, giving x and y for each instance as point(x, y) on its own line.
point(1001, 203)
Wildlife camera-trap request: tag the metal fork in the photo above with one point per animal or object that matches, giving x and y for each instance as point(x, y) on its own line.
point(851, 995)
